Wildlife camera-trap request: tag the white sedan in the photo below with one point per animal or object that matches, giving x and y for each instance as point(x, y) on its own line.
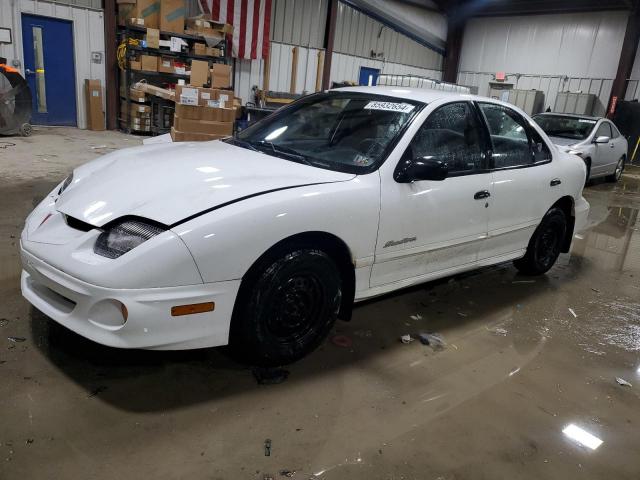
point(263, 240)
point(594, 139)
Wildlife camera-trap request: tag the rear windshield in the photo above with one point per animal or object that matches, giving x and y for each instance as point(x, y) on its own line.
point(565, 127)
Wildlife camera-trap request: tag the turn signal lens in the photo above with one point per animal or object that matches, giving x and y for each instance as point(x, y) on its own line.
point(193, 308)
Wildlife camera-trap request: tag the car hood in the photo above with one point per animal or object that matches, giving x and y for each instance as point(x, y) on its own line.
point(564, 142)
point(170, 182)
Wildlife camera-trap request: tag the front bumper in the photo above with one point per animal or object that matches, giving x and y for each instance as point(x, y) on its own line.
point(94, 312)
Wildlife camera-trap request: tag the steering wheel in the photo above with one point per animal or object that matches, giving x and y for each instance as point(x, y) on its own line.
point(369, 145)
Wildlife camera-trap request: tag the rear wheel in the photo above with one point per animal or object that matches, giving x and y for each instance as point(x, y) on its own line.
point(617, 173)
point(285, 308)
point(545, 244)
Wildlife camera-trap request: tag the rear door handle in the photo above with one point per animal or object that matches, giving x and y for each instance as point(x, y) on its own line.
point(611, 145)
point(481, 194)
point(555, 181)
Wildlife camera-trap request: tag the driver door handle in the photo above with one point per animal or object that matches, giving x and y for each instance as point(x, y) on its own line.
point(481, 194)
point(555, 181)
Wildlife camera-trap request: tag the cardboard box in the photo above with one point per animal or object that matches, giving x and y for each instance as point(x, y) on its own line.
point(220, 75)
point(213, 52)
point(126, 10)
point(225, 97)
point(203, 126)
point(178, 136)
point(172, 16)
point(136, 22)
point(137, 95)
point(149, 63)
point(199, 73)
point(93, 98)
point(199, 49)
point(137, 110)
point(149, 11)
point(135, 63)
point(153, 38)
point(187, 95)
point(166, 64)
point(191, 112)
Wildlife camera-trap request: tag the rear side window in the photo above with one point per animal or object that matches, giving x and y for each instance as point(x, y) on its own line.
point(508, 136)
point(604, 130)
point(614, 131)
point(451, 134)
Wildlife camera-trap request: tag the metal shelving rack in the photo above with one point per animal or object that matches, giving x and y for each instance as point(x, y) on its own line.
point(159, 106)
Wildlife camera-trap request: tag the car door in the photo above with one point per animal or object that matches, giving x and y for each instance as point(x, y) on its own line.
point(428, 228)
point(522, 180)
point(604, 159)
point(619, 145)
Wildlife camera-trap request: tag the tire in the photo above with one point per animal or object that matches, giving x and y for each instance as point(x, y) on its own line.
point(285, 308)
point(545, 244)
point(615, 176)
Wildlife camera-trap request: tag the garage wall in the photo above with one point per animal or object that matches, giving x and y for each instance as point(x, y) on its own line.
point(300, 23)
point(552, 53)
point(88, 36)
point(633, 85)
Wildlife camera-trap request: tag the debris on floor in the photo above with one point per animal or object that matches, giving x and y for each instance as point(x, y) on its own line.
point(433, 340)
point(16, 339)
point(29, 441)
point(406, 339)
point(623, 382)
point(573, 313)
point(270, 375)
point(417, 316)
point(287, 473)
point(500, 331)
point(267, 447)
point(341, 341)
point(363, 333)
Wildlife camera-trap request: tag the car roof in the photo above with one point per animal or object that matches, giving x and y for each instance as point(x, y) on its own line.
point(425, 95)
point(569, 115)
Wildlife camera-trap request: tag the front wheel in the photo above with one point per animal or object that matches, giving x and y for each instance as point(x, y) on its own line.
point(545, 244)
point(617, 173)
point(285, 308)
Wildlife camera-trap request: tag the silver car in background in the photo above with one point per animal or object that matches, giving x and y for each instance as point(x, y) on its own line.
point(594, 139)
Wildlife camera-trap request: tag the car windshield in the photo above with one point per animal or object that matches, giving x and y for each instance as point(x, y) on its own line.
point(344, 131)
point(574, 128)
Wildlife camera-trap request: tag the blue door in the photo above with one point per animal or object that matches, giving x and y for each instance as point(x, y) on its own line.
point(50, 69)
point(369, 76)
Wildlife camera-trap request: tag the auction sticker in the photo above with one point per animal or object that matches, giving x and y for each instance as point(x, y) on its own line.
point(389, 106)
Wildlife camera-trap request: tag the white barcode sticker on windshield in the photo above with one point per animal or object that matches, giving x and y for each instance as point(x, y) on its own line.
point(390, 106)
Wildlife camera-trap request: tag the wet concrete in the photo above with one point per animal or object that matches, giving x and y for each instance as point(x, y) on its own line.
point(517, 369)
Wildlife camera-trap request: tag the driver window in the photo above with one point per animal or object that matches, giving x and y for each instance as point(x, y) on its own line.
point(508, 136)
point(451, 134)
point(604, 130)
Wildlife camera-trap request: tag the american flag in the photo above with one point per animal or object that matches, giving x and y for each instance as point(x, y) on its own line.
point(251, 20)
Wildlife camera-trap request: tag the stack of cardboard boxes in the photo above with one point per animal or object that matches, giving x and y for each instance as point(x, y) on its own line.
point(139, 117)
point(166, 15)
point(202, 114)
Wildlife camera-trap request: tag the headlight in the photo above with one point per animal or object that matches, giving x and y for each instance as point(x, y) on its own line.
point(65, 184)
point(575, 152)
point(121, 237)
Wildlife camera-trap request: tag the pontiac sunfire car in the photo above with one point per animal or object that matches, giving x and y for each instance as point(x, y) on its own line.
point(263, 240)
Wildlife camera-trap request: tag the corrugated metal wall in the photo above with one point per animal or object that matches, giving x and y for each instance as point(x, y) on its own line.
point(88, 36)
point(548, 52)
point(301, 23)
point(633, 85)
point(358, 35)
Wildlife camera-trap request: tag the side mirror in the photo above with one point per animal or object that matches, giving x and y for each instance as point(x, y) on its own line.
point(421, 168)
point(601, 139)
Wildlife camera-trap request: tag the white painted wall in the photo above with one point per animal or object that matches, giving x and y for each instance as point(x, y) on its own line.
point(548, 52)
point(88, 36)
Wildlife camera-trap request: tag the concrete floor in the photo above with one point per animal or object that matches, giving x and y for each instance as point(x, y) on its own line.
point(517, 369)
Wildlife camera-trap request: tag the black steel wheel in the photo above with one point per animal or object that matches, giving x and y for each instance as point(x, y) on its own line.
point(545, 244)
point(285, 308)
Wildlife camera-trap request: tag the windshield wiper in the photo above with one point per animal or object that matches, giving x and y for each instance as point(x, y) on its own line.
point(289, 152)
point(243, 143)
